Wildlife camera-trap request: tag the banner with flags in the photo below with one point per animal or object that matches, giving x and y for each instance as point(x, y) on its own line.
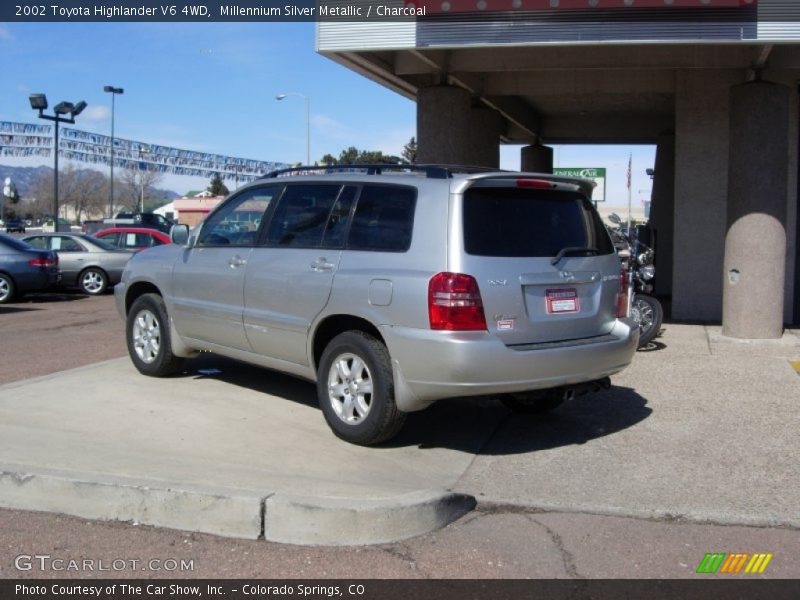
point(25, 139)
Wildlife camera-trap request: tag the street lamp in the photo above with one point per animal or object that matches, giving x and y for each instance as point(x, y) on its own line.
point(308, 121)
point(113, 91)
point(39, 102)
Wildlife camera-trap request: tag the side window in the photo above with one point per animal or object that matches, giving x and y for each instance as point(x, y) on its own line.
point(383, 220)
point(111, 238)
point(155, 241)
point(302, 215)
point(136, 240)
point(236, 222)
point(39, 242)
point(65, 244)
point(336, 228)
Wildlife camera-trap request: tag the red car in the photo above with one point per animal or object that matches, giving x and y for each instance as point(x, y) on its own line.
point(133, 238)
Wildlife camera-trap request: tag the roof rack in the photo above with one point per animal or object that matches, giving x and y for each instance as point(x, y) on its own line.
point(431, 171)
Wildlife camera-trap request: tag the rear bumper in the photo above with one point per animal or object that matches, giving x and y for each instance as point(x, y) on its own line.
point(37, 280)
point(431, 365)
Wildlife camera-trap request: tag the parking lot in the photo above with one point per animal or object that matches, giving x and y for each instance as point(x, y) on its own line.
point(694, 450)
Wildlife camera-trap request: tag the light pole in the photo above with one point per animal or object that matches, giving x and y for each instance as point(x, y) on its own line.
point(39, 102)
point(113, 91)
point(308, 121)
point(142, 167)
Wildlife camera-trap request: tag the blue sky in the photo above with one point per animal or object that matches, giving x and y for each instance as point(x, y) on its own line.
point(211, 87)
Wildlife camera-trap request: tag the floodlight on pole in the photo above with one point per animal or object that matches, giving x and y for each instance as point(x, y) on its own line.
point(114, 91)
point(308, 120)
point(39, 102)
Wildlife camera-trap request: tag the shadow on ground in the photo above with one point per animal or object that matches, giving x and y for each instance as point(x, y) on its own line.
point(42, 297)
point(474, 425)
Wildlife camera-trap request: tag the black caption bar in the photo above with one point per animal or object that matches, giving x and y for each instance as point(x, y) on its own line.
point(206, 10)
point(719, 589)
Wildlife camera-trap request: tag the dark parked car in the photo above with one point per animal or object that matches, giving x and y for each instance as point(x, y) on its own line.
point(15, 225)
point(87, 262)
point(23, 268)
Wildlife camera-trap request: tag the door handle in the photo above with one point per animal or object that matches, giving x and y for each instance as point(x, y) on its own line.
point(236, 261)
point(322, 264)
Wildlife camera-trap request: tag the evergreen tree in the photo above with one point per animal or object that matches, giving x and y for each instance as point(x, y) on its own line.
point(410, 150)
point(216, 186)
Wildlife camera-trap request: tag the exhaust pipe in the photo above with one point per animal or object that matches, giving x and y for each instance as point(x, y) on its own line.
point(573, 391)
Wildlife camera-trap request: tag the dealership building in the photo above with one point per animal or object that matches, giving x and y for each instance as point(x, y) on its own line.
point(713, 84)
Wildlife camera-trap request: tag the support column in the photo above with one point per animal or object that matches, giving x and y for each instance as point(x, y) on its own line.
point(662, 211)
point(702, 126)
point(536, 159)
point(755, 243)
point(451, 131)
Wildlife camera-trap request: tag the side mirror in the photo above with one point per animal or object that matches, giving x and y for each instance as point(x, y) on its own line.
point(179, 234)
point(614, 218)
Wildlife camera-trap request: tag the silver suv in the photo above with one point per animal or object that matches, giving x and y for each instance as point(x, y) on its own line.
point(392, 287)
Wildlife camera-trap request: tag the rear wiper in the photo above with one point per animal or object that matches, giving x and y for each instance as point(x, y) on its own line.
point(570, 250)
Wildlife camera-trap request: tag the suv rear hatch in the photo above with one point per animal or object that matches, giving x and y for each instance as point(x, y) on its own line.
point(543, 260)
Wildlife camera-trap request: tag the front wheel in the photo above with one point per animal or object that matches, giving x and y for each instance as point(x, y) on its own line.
point(647, 312)
point(148, 337)
point(93, 281)
point(355, 388)
point(6, 288)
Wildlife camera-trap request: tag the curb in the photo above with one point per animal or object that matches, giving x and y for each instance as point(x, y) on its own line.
point(353, 521)
point(231, 512)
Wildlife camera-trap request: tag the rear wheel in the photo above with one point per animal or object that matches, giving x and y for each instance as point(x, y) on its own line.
point(148, 337)
point(6, 288)
point(535, 402)
point(355, 388)
point(647, 312)
point(93, 281)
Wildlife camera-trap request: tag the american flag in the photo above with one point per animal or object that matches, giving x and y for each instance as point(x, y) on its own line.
point(630, 162)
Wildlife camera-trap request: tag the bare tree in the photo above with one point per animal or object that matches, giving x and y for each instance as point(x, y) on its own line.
point(132, 182)
point(85, 191)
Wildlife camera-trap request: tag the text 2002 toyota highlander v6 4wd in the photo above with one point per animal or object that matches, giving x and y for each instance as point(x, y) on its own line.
point(392, 287)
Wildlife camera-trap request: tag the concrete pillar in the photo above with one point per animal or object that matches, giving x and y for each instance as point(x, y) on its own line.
point(484, 144)
point(755, 244)
point(451, 131)
point(662, 211)
point(701, 192)
point(536, 159)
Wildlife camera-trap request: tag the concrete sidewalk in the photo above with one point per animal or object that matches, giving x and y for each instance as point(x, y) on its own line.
point(700, 428)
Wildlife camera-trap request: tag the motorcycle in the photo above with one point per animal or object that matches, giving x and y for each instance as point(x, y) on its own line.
point(637, 262)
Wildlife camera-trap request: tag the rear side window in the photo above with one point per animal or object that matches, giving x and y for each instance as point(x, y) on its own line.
point(111, 238)
point(302, 214)
point(530, 223)
point(384, 219)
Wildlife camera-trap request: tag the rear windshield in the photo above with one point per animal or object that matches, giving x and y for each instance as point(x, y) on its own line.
point(15, 244)
point(530, 223)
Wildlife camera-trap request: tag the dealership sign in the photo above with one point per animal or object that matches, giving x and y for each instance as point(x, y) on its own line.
point(596, 175)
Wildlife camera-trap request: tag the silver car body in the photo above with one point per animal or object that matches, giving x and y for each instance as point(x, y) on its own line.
point(78, 252)
point(276, 306)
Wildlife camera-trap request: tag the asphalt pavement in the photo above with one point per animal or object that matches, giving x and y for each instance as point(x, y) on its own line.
point(693, 450)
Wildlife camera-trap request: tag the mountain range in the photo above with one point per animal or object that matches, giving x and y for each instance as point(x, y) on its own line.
point(25, 178)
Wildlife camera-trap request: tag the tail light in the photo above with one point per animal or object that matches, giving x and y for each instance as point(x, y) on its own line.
point(454, 303)
point(622, 296)
point(45, 261)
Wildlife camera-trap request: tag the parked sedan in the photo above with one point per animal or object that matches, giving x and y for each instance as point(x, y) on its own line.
point(24, 268)
point(89, 263)
point(133, 238)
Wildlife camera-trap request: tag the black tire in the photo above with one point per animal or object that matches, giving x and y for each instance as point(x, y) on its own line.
point(370, 417)
point(536, 402)
point(93, 281)
point(647, 311)
point(148, 337)
point(7, 289)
